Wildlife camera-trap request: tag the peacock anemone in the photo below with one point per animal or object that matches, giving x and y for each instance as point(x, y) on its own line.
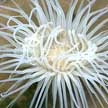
point(65, 55)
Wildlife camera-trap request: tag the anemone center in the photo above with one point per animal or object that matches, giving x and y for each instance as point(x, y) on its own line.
point(58, 49)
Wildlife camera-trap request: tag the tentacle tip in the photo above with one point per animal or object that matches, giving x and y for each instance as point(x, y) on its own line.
point(2, 95)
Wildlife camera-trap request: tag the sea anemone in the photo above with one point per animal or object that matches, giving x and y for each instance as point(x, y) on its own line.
point(66, 55)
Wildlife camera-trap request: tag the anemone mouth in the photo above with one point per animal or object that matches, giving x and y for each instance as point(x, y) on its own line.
point(59, 49)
